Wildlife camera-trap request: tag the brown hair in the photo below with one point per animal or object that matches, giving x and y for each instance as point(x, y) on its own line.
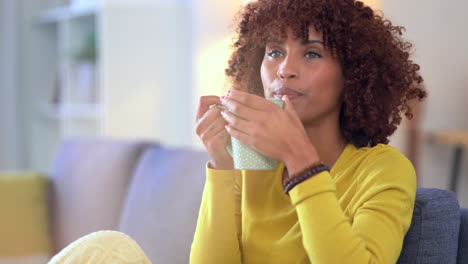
point(379, 77)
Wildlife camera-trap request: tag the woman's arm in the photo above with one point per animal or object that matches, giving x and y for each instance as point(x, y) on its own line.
point(381, 215)
point(218, 229)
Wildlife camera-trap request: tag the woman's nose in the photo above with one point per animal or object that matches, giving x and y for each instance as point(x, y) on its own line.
point(288, 70)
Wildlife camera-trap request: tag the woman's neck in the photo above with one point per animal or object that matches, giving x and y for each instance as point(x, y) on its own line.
point(328, 141)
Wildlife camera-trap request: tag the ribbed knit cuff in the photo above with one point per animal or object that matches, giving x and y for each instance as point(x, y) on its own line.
point(314, 186)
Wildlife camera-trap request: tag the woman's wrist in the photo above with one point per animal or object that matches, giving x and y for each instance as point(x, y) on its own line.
point(304, 175)
point(300, 157)
point(220, 166)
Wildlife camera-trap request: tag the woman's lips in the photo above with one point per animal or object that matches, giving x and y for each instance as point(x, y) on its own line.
point(291, 93)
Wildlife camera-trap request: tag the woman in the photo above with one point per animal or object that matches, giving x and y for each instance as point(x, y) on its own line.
point(340, 194)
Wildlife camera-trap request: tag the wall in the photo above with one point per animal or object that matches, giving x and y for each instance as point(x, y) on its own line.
point(438, 32)
point(35, 60)
point(146, 66)
point(213, 26)
point(9, 142)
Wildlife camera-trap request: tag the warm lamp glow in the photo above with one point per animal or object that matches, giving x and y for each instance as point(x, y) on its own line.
point(209, 73)
point(374, 4)
point(211, 65)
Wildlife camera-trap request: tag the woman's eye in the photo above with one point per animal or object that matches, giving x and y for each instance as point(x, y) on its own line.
point(312, 55)
point(275, 54)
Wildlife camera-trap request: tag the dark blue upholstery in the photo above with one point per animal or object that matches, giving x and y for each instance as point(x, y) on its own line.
point(434, 233)
point(462, 256)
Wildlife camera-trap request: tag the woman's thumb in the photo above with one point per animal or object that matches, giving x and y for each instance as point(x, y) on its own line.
point(289, 107)
point(287, 104)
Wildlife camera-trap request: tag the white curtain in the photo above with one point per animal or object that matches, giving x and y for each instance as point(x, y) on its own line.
point(9, 141)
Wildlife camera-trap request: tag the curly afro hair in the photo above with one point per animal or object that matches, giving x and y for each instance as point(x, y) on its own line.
point(380, 79)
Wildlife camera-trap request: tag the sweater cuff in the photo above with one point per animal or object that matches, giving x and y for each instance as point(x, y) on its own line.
point(318, 184)
point(213, 175)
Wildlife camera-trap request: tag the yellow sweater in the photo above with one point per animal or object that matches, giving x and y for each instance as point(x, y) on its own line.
point(359, 212)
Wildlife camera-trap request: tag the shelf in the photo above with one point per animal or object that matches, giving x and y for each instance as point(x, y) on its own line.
point(90, 112)
point(124, 81)
point(57, 14)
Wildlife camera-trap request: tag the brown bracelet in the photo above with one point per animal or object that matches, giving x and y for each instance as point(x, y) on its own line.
point(303, 175)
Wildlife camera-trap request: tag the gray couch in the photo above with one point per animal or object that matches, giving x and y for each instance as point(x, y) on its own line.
point(439, 230)
point(152, 193)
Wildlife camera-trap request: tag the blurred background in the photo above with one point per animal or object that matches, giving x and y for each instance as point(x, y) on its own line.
point(135, 69)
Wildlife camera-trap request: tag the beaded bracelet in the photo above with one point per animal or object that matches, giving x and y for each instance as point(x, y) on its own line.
point(305, 174)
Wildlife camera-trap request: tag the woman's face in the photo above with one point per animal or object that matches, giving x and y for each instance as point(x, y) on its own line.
point(307, 73)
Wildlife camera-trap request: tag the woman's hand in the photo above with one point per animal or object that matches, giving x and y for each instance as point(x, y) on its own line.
point(211, 130)
point(274, 132)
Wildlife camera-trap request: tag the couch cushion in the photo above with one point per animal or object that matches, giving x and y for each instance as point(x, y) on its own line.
point(433, 234)
point(163, 202)
point(90, 178)
point(24, 222)
point(462, 256)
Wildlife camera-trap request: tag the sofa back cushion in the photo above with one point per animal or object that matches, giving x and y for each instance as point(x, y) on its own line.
point(433, 234)
point(90, 178)
point(162, 205)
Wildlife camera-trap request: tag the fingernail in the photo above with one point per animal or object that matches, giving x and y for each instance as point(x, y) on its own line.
point(229, 93)
point(222, 97)
point(227, 127)
point(223, 113)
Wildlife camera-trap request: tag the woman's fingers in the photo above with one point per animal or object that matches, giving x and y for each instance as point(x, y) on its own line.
point(213, 130)
point(236, 122)
point(247, 99)
point(204, 105)
point(247, 132)
point(241, 136)
point(289, 108)
point(207, 119)
point(251, 112)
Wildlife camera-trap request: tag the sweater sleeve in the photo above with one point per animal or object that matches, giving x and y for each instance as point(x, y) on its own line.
point(374, 230)
point(218, 231)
